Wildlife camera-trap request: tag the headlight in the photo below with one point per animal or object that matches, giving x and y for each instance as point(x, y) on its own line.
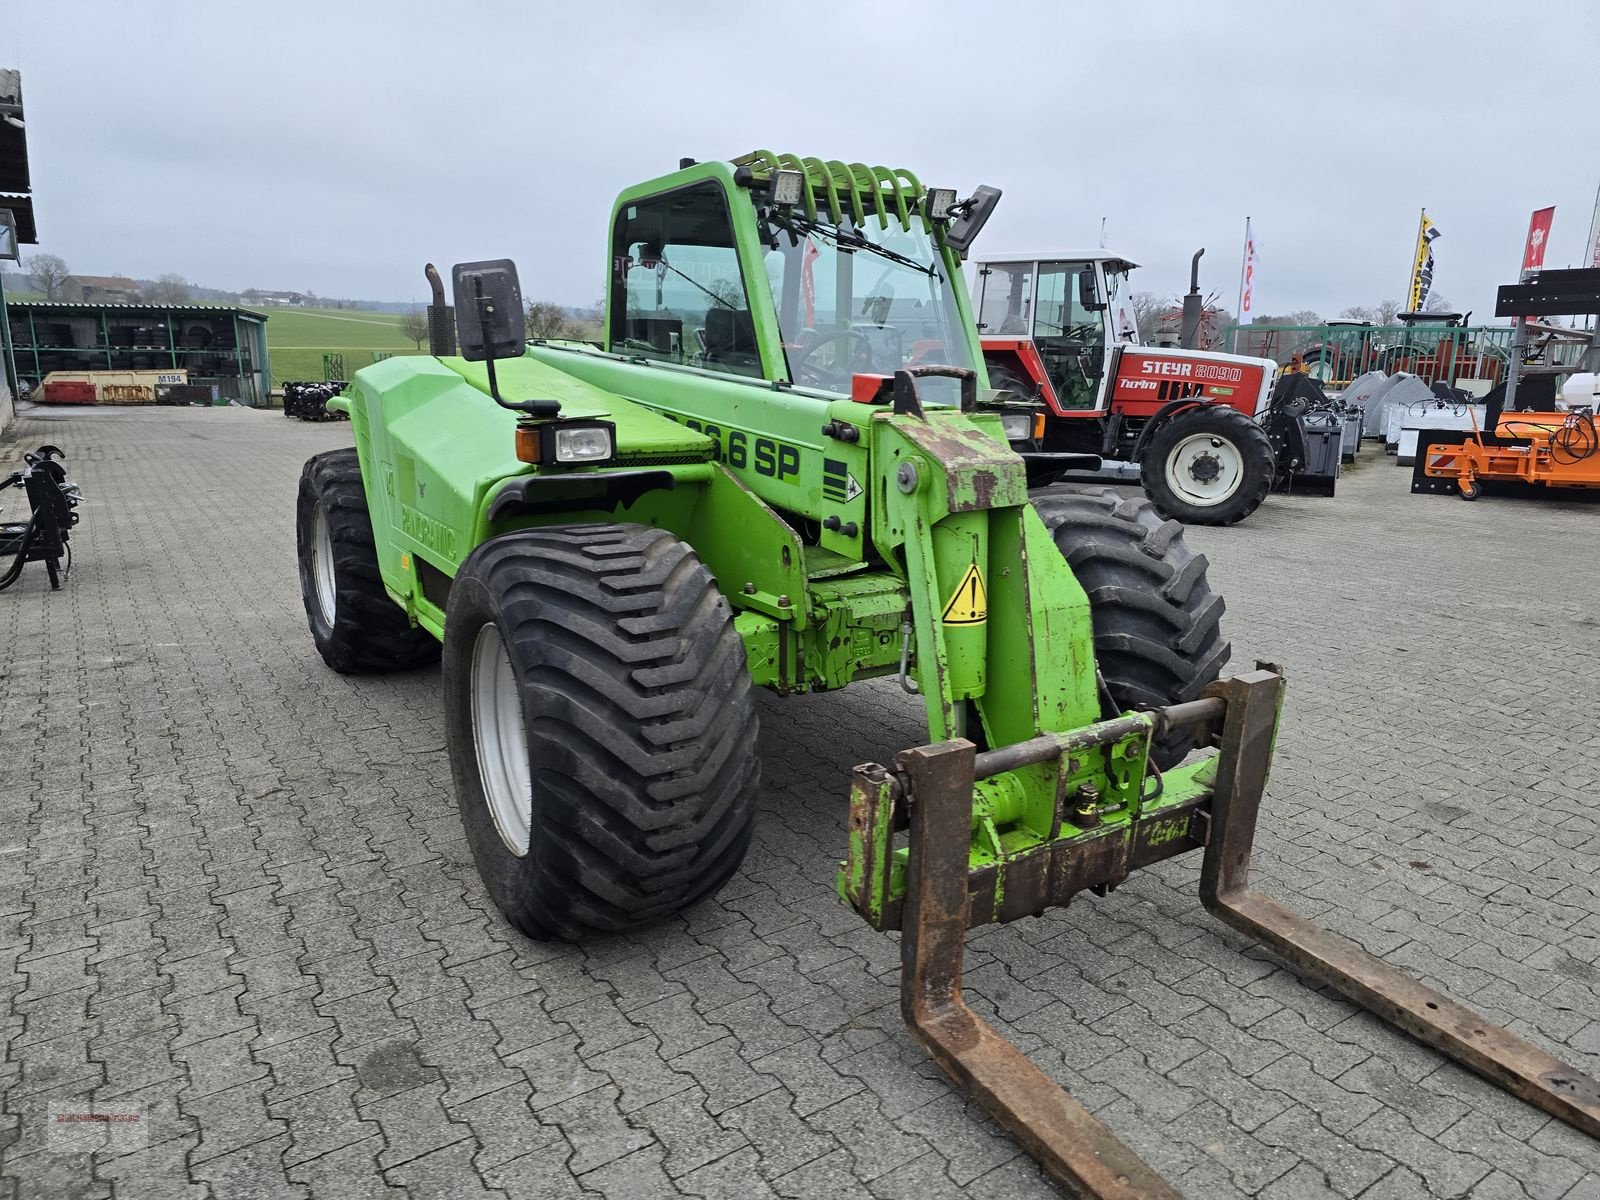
point(566, 443)
point(583, 444)
point(1018, 425)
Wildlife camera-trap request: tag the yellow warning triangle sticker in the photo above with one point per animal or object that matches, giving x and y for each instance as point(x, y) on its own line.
point(969, 605)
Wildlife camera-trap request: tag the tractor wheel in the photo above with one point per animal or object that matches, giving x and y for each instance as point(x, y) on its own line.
point(1005, 380)
point(355, 624)
point(1157, 623)
point(601, 725)
point(1210, 465)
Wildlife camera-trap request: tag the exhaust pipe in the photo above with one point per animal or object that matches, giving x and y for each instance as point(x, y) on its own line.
point(1193, 309)
point(441, 317)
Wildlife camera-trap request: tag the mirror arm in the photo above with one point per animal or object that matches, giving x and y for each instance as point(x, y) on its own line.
point(530, 408)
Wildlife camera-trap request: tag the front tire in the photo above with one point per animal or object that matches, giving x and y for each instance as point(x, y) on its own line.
point(1157, 623)
point(1210, 465)
point(601, 726)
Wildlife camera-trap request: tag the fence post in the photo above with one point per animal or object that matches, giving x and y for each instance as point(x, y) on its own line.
point(1519, 343)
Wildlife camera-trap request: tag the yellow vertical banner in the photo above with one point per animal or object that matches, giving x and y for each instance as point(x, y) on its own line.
point(1422, 266)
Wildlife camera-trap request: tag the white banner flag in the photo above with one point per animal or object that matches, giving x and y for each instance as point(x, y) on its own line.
point(1247, 278)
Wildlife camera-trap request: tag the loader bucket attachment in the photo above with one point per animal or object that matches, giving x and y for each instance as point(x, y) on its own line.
point(932, 893)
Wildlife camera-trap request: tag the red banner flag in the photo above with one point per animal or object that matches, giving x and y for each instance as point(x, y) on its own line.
point(1538, 235)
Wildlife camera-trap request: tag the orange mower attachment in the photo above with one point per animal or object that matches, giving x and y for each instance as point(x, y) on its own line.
point(1549, 449)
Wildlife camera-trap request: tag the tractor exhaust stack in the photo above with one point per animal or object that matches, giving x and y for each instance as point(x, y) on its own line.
point(441, 317)
point(1193, 307)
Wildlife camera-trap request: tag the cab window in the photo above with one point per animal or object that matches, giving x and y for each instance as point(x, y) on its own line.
point(1069, 335)
point(1007, 298)
point(677, 292)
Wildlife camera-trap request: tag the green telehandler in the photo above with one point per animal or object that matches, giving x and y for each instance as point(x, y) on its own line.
point(782, 468)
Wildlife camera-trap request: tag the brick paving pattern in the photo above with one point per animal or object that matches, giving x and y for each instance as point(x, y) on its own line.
point(236, 899)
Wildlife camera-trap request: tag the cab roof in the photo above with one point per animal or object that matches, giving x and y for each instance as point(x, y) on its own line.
point(1113, 260)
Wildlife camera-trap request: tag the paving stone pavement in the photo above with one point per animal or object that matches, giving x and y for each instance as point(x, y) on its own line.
point(237, 901)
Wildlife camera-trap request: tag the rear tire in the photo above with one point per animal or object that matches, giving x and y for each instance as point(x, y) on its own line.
point(357, 627)
point(1157, 623)
point(601, 725)
point(1210, 465)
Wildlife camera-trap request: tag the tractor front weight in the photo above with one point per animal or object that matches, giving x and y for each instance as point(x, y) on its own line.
point(970, 860)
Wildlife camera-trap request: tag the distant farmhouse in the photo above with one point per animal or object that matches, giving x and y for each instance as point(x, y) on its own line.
point(257, 296)
point(104, 289)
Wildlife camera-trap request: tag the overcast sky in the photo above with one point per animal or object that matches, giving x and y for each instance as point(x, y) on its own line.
point(338, 146)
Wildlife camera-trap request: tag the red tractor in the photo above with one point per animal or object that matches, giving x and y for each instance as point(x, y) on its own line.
point(1061, 328)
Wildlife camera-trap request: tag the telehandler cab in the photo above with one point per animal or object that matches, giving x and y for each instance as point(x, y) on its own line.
point(780, 470)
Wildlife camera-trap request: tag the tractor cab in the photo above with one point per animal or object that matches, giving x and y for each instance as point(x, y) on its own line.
point(806, 275)
point(1068, 312)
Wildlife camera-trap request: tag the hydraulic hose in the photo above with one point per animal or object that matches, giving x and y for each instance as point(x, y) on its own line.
point(26, 543)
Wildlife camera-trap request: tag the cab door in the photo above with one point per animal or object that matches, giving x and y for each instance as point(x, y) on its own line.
point(1069, 332)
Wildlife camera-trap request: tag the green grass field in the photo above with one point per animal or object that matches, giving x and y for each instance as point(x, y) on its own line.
point(297, 338)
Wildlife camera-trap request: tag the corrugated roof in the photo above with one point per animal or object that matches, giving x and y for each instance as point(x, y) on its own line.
point(96, 305)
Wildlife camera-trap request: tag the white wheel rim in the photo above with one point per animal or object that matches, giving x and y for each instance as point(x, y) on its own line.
point(1204, 469)
point(501, 738)
point(322, 567)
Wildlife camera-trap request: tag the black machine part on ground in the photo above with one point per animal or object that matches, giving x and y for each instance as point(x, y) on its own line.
point(43, 537)
point(307, 399)
point(1308, 452)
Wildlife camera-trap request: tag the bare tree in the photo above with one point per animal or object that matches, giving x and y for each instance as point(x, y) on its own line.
point(1383, 313)
point(168, 289)
point(1437, 304)
point(1148, 310)
point(730, 292)
point(547, 321)
point(414, 327)
point(50, 274)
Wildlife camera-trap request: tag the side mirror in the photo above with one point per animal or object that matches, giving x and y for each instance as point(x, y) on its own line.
point(1088, 294)
point(489, 315)
point(970, 218)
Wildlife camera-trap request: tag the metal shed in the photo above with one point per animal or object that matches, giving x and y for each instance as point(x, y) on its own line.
point(215, 343)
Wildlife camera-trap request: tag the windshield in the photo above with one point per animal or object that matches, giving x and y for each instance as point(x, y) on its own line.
point(863, 299)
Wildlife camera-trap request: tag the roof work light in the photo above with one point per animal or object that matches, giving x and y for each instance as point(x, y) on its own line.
point(939, 202)
point(788, 187)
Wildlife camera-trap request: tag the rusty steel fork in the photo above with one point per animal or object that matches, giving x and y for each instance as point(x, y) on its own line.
point(1073, 1146)
point(1497, 1054)
point(1069, 1141)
